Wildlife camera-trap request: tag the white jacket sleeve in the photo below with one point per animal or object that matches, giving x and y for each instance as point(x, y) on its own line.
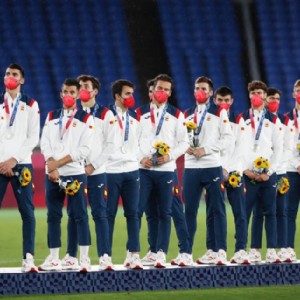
point(86, 140)
point(33, 134)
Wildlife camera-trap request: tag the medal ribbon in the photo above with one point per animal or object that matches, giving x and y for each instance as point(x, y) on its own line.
point(296, 122)
point(161, 120)
point(62, 131)
point(201, 121)
point(14, 112)
point(259, 129)
point(126, 135)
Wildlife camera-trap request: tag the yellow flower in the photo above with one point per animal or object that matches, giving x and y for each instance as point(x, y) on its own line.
point(163, 150)
point(73, 188)
point(191, 125)
point(25, 177)
point(158, 145)
point(258, 163)
point(266, 164)
point(283, 185)
point(298, 147)
point(234, 179)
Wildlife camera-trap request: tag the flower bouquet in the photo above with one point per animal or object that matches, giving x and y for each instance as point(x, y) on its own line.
point(160, 148)
point(191, 127)
point(71, 187)
point(283, 185)
point(24, 176)
point(234, 179)
point(261, 165)
point(298, 148)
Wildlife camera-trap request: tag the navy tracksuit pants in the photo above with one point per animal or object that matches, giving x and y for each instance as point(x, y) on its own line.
point(76, 210)
point(97, 197)
point(261, 199)
point(24, 197)
point(157, 207)
point(292, 206)
point(282, 222)
point(237, 200)
point(194, 181)
point(126, 185)
point(178, 217)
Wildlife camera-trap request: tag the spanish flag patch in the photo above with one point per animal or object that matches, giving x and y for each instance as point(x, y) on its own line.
point(105, 193)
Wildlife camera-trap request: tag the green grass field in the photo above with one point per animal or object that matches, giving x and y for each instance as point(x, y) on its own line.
point(11, 254)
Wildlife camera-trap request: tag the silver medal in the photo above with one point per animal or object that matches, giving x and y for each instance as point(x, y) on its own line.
point(123, 149)
point(9, 135)
point(60, 147)
point(255, 147)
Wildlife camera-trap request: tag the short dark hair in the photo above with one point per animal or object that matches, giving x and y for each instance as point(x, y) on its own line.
point(205, 80)
point(94, 80)
point(223, 91)
point(271, 91)
point(17, 67)
point(117, 86)
point(163, 77)
point(257, 85)
point(71, 82)
point(150, 82)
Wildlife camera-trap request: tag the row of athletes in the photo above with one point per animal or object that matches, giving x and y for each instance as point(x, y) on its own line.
point(116, 148)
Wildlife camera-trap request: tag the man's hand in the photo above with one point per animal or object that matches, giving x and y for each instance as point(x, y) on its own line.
point(199, 152)
point(225, 174)
point(146, 162)
point(52, 165)
point(250, 174)
point(53, 176)
point(262, 177)
point(6, 166)
point(162, 159)
point(89, 169)
point(190, 151)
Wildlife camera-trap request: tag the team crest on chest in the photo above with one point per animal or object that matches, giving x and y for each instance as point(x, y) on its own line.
point(208, 118)
point(74, 124)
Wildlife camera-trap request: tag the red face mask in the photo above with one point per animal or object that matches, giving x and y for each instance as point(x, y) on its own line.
point(224, 105)
point(68, 101)
point(129, 102)
point(84, 95)
point(256, 101)
point(298, 98)
point(200, 96)
point(273, 106)
point(160, 96)
point(11, 83)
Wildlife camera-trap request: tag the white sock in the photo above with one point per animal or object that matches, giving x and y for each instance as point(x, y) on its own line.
point(84, 251)
point(54, 253)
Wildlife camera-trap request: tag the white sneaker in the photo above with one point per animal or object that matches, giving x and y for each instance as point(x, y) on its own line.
point(126, 263)
point(149, 259)
point(283, 255)
point(221, 258)
point(161, 260)
point(174, 261)
point(185, 260)
point(69, 263)
point(135, 262)
point(208, 258)
point(254, 256)
point(28, 264)
point(271, 256)
point(291, 254)
point(50, 264)
point(85, 264)
point(240, 257)
point(105, 263)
